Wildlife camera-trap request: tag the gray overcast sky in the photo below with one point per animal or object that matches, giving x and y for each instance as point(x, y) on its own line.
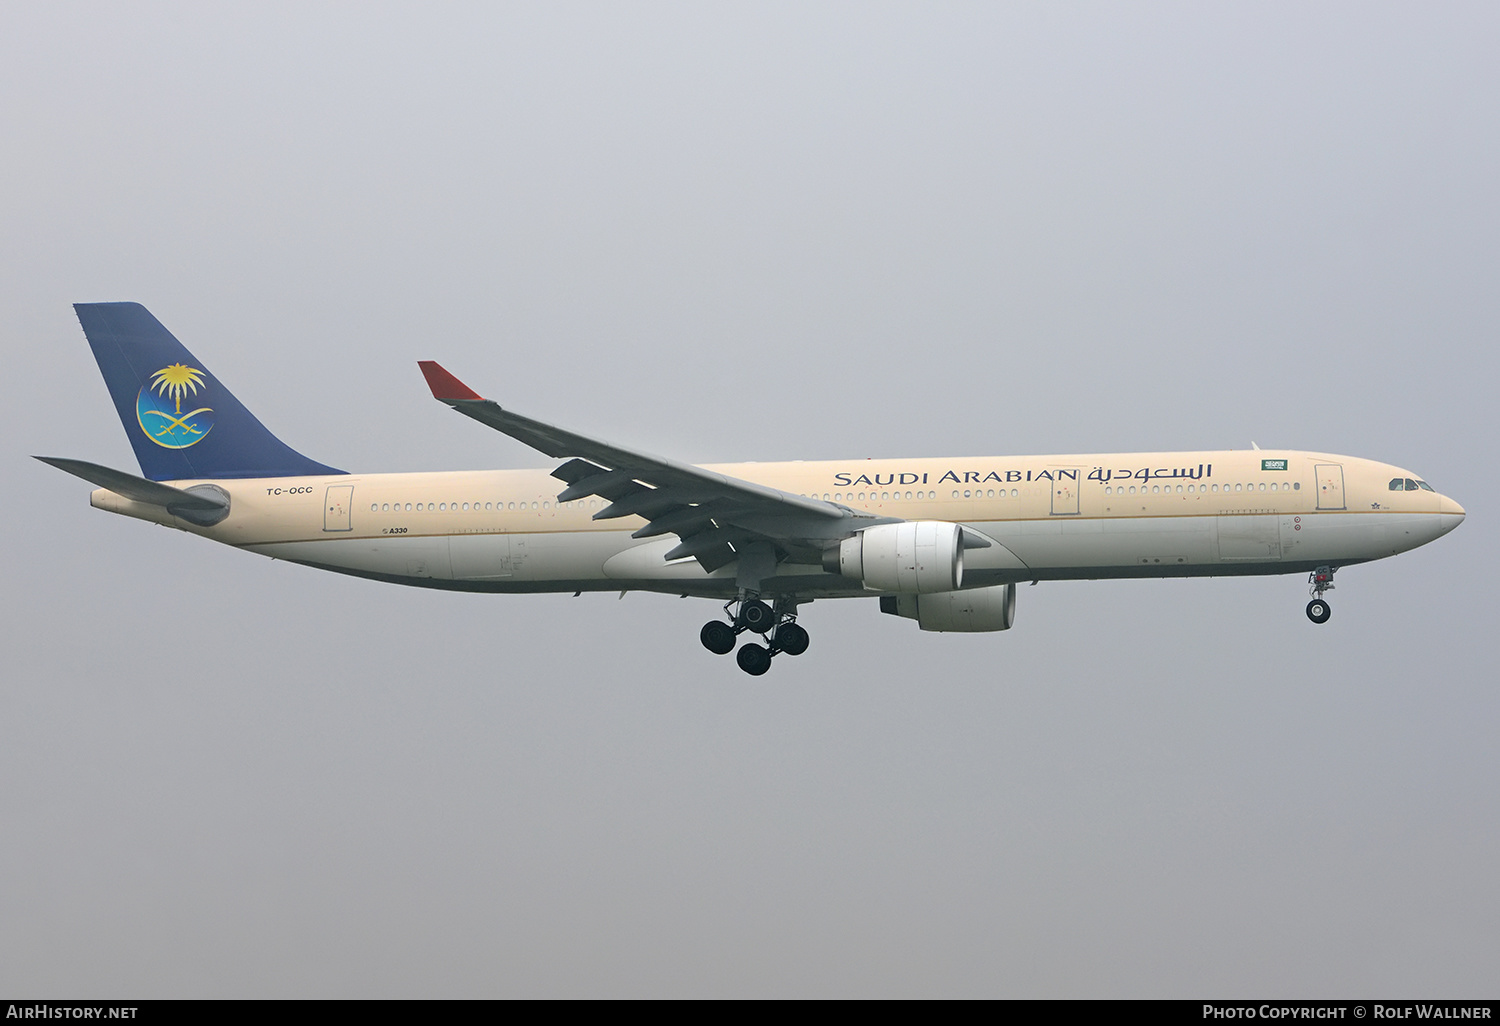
point(733, 232)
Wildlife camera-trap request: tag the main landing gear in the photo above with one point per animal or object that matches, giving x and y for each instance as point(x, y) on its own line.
point(776, 624)
point(1319, 581)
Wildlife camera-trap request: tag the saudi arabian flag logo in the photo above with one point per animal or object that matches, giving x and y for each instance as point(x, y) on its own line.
point(159, 408)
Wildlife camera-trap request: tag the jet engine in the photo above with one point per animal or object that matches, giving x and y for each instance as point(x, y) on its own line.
point(916, 556)
point(978, 609)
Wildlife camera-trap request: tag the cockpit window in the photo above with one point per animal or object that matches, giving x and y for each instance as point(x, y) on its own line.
point(1411, 485)
point(1424, 486)
point(1396, 484)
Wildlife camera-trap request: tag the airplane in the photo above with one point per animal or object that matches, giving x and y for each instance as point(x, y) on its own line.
point(944, 542)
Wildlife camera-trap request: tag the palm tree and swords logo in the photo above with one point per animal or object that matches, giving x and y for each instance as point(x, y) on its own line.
point(159, 408)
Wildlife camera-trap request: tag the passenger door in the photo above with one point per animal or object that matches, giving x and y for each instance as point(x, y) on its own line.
point(337, 507)
point(1330, 486)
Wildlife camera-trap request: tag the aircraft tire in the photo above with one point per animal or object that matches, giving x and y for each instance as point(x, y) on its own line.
point(718, 637)
point(753, 659)
point(1318, 611)
point(791, 639)
point(755, 615)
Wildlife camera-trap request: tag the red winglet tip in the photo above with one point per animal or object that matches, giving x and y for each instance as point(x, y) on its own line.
point(443, 384)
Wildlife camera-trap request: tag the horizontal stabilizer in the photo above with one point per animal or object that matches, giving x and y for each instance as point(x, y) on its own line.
point(141, 490)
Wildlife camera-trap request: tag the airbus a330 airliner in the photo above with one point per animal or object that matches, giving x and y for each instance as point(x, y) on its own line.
point(940, 541)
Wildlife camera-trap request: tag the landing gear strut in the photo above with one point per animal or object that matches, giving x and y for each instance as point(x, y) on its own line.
point(1319, 581)
point(777, 624)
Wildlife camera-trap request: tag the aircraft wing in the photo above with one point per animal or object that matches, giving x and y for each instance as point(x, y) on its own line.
point(713, 514)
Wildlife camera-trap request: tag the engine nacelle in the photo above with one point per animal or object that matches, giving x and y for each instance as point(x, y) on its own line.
point(918, 556)
point(978, 609)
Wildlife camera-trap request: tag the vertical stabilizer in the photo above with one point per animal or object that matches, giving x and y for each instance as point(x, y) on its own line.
point(181, 421)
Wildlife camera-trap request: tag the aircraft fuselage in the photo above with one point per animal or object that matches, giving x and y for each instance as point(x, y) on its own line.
point(1049, 518)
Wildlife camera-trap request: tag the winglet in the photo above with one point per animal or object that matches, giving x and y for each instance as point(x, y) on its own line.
point(444, 385)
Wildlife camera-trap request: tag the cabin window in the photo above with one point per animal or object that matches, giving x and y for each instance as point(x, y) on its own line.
point(955, 494)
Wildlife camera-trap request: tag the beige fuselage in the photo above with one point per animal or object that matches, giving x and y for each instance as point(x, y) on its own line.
point(1048, 517)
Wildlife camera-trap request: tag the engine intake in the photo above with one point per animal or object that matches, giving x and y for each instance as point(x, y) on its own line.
point(972, 611)
point(917, 556)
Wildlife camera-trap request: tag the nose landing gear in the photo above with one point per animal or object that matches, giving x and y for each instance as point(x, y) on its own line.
point(1319, 581)
point(778, 625)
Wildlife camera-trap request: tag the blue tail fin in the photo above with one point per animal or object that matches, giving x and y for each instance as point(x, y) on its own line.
point(181, 421)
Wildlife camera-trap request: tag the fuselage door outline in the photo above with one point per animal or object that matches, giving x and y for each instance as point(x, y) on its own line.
point(1065, 495)
point(337, 507)
point(1330, 486)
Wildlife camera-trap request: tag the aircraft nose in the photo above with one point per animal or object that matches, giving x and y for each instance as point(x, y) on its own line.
point(1453, 513)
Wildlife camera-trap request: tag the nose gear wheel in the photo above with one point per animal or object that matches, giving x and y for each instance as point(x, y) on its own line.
point(1318, 582)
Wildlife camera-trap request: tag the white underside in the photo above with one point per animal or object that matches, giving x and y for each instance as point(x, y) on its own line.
point(1025, 550)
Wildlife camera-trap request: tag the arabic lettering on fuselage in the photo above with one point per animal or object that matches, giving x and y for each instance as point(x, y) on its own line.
point(1104, 474)
point(961, 477)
